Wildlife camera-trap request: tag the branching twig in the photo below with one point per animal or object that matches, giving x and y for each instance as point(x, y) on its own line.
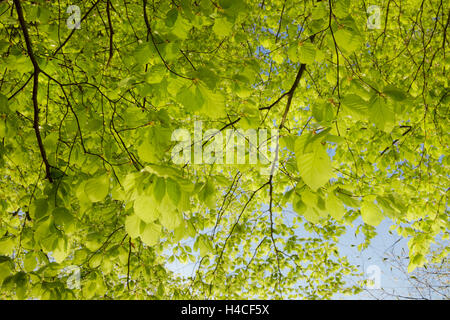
point(111, 34)
point(37, 70)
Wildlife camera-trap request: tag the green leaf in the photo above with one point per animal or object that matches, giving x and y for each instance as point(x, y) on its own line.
point(319, 12)
point(143, 53)
point(348, 40)
point(6, 267)
point(145, 208)
point(62, 216)
point(214, 106)
point(156, 74)
point(150, 235)
point(29, 262)
point(381, 113)
point(395, 93)
point(60, 251)
point(170, 219)
point(342, 8)
point(96, 189)
point(38, 208)
point(43, 228)
point(164, 171)
point(205, 245)
point(309, 198)
point(347, 198)
point(94, 241)
point(355, 106)
point(180, 232)
point(208, 194)
point(418, 260)
point(370, 213)
point(181, 28)
point(323, 112)
point(147, 151)
point(315, 167)
point(132, 226)
point(293, 53)
point(298, 204)
point(385, 204)
point(159, 189)
point(171, 17)
point(173, 191)
point(2, 128)
point(335, 207)
point(190, 97)
point(7, 246)
point(307, 53)
point(4, 109)
point(222, 27)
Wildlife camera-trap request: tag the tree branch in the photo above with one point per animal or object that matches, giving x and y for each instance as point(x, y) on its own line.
point(73, 31)
point(111, 34)
point(36, 72)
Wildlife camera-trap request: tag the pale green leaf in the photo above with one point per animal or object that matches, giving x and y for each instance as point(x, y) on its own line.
point(370, 213)
point(315, 167)
point(145, 208)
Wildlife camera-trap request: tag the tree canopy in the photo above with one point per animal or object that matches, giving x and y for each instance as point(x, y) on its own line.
point(90, 97)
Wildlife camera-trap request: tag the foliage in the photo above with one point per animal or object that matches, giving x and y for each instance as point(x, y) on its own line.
point(86, 117)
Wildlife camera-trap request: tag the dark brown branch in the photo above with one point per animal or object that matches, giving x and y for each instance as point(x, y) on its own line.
point(290, 94)
point(277, 252)
point(111, 33)
point(128, 264)
point(395, 141)
point(231, 123)
point(187, 58)
point(21, 88)
point(113, 130)
point(221, 210)
point(234, 226)
point(23, 26)
point(337, 55)
point(281, 20)
point(104, 244)
point(276, 101)
point(73, 31)
point(149, 29)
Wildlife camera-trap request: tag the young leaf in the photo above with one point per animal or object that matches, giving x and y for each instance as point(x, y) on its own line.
point(335, 207)
point(145, 208)
point(159, 189)
point(150, 235)
point(315, 167)
point(222, 27)
point(173, 191)
point(370, 213)
point(96, 189)
point(132, 226)
point(170, 219)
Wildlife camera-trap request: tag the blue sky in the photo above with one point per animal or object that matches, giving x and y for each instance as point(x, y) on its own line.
point(382, 245)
